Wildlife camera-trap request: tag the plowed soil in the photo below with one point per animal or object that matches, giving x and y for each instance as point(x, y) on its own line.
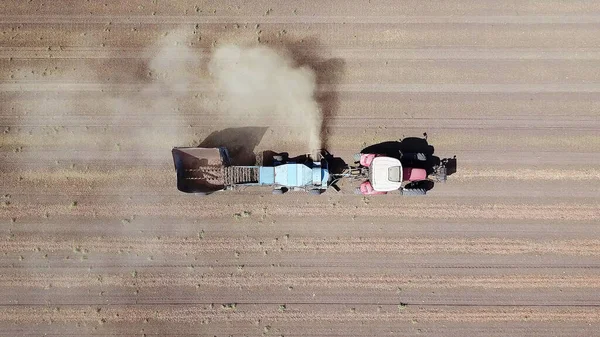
point(96, 240)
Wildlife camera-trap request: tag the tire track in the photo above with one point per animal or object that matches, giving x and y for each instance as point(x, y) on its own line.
point(344, 52)
point(37, 279)
point(198, 246)
point(39, 86)
point(439, 210)
point(300, 19)
point(103, 266)
point(190, 314)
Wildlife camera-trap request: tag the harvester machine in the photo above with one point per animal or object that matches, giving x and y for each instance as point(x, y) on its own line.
point(207, 170)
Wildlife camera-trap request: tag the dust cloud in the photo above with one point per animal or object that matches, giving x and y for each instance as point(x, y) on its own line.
point(160, 105)
point(145, 118)
point(262, 84)
point(173, 66)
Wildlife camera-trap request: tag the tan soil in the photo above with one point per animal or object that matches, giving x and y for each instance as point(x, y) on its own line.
point(96, 240)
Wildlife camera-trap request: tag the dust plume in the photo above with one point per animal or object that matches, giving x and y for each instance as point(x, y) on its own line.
point(145, 119)
point(259, 83)
point(172, 67)
point(71, 133)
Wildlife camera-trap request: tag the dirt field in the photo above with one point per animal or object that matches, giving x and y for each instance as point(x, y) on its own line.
point(96, 240)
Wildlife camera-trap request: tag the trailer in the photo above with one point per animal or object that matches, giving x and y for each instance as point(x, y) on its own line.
point(207, 170)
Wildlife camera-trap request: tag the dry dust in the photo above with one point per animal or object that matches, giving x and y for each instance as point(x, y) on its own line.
point(172, 68)
point(261, 83)
point(166, 68)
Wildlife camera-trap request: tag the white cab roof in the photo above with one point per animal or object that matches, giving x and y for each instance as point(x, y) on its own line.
point(380, 174)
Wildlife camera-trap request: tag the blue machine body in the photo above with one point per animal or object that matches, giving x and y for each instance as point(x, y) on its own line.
point(295, 175)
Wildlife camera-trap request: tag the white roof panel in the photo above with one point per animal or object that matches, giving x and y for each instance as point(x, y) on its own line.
point(380, 174)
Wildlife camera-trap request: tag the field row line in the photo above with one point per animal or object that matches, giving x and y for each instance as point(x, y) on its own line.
point(232, 312)
point(347, 53)
point(154, 19)
point(35, 279)
point(39, 86)
point(200, 245)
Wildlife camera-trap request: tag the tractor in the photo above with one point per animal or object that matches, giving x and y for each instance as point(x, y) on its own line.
point(381, 174)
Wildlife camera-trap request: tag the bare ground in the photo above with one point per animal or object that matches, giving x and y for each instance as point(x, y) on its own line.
point(96, 240)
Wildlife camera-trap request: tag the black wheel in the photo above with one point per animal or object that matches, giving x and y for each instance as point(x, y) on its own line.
point(414, 191)
point(315, 192)
point(277, 191)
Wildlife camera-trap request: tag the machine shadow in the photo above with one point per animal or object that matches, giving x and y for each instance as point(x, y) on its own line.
point(336, 165)
point(240, 142)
